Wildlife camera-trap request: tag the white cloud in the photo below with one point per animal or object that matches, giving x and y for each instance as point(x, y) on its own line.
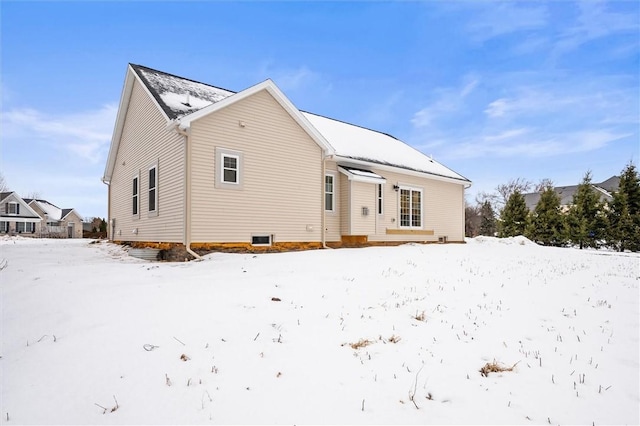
point(447, 101)
point(501, 18)
point(291, 79)
point(85, 135)
point(527, 143)
point(595, 21)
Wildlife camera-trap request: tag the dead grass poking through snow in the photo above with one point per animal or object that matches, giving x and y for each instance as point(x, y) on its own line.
point(494, 367)
point(420, 316)
point(360, 344)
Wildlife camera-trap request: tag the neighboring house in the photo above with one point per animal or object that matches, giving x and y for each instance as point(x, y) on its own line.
point(194, 164)
point(16, 217)
point(604, 189)
point(56, 222)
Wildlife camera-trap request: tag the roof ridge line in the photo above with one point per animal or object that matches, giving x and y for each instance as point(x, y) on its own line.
point(352, 124)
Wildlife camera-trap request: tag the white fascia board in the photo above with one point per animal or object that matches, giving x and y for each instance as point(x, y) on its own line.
point(347, 160)
point(358, 178)
point(125, 98)
point(71, 211)
point(20, 219)
point(270, 87)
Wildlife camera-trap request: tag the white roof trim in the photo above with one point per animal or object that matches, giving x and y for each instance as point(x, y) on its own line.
point(123, 108)
point(270, 87)
point(359, 175)
point(20, 219)
point(71, 211)
point(396, 169)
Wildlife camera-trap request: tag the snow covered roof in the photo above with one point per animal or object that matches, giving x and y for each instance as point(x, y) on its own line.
point(181, 99)
point(53, 212)
point(359, 143)
point(178, 96)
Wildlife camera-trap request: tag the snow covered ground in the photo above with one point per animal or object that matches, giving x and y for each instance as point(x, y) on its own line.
point(93, 336)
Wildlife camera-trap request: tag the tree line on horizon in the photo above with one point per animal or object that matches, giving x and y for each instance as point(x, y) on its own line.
point(587, 222)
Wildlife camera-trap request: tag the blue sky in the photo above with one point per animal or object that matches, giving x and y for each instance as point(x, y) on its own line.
point(494, 90)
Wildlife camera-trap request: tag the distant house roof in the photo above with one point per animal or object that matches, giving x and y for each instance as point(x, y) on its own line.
point(52, 211)
point(21, 214)
point(604, 189)
point(179, 98)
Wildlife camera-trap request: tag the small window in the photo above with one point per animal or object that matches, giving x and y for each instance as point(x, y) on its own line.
point(230, 168)
point(261, 240)
point(380, 199)
point(153, 189)
point(136, 196)
point(4, 227)
point(12, 208)
point(329, 192)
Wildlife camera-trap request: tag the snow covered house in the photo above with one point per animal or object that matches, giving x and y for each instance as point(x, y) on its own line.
point(16, 217)
point(56, 222)
point(194, 164)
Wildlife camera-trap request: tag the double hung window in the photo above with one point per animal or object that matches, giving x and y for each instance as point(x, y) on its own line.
point(329, 193)
point(153, 189)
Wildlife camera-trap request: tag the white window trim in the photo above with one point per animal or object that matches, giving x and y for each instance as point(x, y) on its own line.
point(411, 189)
point(15, 209)
point(220, 155)
point(270, 243)
point(223, 156)
point(153, 212)
point(137, 195)
point(333, 193)
point(380, 199)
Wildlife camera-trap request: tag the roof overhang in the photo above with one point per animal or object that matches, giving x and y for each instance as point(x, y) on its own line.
point(360, 175)
point(386, 167)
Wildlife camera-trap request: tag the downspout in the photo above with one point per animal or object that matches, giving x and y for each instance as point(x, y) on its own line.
point(322, 206)
point(187, 192)
point(109, 230)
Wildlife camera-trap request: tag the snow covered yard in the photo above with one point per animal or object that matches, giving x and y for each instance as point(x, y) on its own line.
point(387, 335)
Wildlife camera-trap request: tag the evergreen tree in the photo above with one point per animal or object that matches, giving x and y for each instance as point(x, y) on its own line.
point(624, 212)
point(514, 216)
point(585, 222)
point(487, 219)
point(546, 222)
point(623, 232)
point(630, 185)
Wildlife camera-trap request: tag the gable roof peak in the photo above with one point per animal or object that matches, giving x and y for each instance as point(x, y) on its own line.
point(178, 96)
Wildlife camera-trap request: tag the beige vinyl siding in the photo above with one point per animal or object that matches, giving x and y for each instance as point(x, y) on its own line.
point(442, 208)
point(332, 219)
point(345, 203)
point(363, 196)
point(282, 183)
point(145, 141)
